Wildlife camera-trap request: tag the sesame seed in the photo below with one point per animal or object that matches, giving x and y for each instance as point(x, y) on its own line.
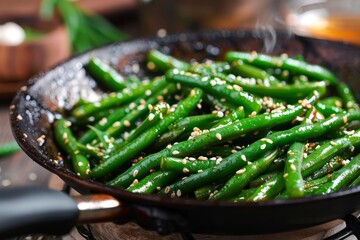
point(175, 152)
point(135, 182)
point(127, 123)
point(349, 104)
point(305, 155)
point(178, 193)
point(243, 157)
point(186, 170)
point(218, 136)
point(233, 151)
point(202, 158)
point(103, 121)
point(293, 167)
point(135, 173)
point(220, 114)
point(263, 146)
point(184, 161)
point(148, 92)
point(200, 170)
point(345, 119)
point(151, 116)
point(116, 124)
point(67, 124)
point(286, 175)
point(237, 87)
point(352, 148)
point(158, 188)
point(241, 171)
point(332, 143)
point(19, 117)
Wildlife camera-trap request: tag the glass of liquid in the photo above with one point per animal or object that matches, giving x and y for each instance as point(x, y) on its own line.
point(337, 20)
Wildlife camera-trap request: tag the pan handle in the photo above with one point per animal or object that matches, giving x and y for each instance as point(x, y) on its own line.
point(28, 210)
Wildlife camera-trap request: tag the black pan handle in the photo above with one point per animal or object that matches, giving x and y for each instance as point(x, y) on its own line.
point(28, 210)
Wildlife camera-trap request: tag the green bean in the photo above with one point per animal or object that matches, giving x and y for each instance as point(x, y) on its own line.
point(334, 164)
point(268, 190)
point(248, 71)
point(153, 182)
point(237, 114)
point(356, 182)
point(292, 172)
point(153, 118)
point(103, 124)
point(243, 195)
point(216, 87)
point(68, 143)
point(283, 62)
point(207, 190)
point(9, 148)
point(164, 62)
point(105, 75)
point(220, 104)
point(215, 136)
point(118, 98)
point(288, 92)
point(186, 165)
point(102, 136)
point(327, 151)
point(125, 153)
point(342, 177)
point(211, 68)
point(135, 112)
point(262, 179)
point(347, 97)
point(316, 182)
point(237, 160)
point(244, 175)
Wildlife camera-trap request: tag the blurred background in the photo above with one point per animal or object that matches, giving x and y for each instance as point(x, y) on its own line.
point(52, 30)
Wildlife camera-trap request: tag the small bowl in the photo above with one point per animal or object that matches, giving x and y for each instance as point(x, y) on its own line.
point(19, 63)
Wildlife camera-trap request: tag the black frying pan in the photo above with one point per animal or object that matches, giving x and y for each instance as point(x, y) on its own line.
point(49, 93)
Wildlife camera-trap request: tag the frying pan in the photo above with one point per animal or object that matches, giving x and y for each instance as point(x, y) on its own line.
point(53, 92)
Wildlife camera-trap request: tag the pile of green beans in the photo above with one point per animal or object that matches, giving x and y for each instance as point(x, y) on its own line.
point(231, 130)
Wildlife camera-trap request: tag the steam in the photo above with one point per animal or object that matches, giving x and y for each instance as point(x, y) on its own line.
point(268, 22)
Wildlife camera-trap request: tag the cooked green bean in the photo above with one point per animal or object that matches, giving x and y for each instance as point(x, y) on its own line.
point(118, 98)
point(164, 62)
point(68, 143)
point(248, 71)
point(244, 175)
point(9, 148)
point(347, 96)
point(125, 153)
point(217, 87)
point(187, 165)
point(217, 130)
point(218, 135)
point(105, 75)
point(153, 182)
point(283, 62)
point(231, 164)
point(342, 177)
